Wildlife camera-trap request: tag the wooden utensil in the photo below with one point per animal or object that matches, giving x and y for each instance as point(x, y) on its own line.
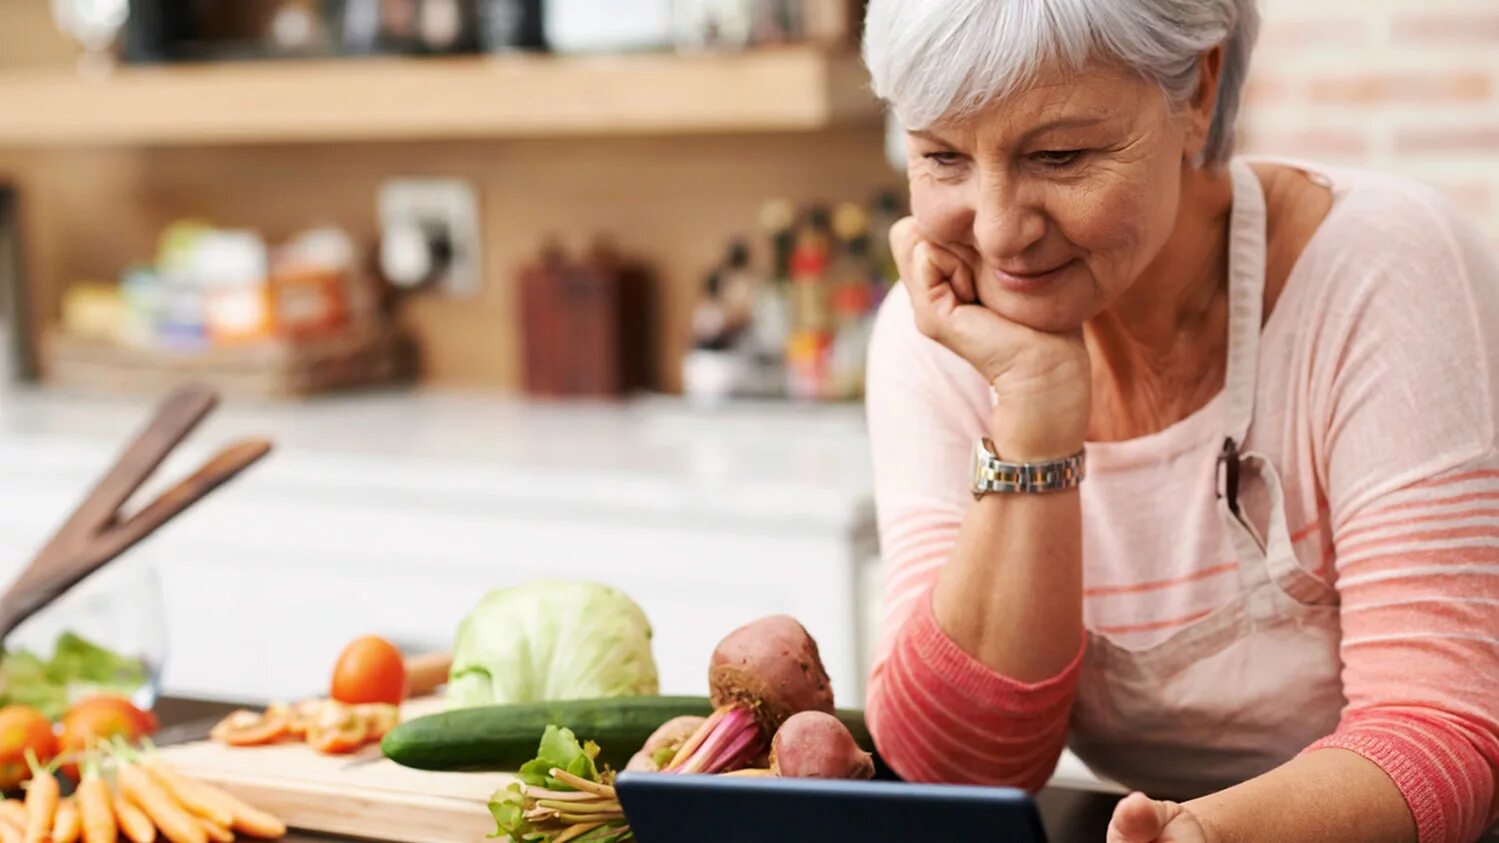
point(427, 672)
point(97, 531)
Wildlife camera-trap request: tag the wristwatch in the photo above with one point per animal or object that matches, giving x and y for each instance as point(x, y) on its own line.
point(992, 474)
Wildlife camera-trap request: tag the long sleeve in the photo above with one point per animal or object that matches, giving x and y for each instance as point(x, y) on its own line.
point(936, 713)
point(1408, 455)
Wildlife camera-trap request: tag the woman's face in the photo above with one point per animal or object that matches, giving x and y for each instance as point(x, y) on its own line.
point(1059, 196)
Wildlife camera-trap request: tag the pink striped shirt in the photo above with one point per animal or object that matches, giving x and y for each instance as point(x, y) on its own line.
point(1376, 401)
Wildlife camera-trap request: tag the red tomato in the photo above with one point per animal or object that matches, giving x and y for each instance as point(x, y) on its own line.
point(370, 670)
point(23, 728)
point(100, 718)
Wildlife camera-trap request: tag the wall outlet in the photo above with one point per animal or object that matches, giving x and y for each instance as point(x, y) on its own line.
point(430, 236)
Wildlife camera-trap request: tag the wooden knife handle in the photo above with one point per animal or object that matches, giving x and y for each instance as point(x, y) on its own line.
point(427, 672)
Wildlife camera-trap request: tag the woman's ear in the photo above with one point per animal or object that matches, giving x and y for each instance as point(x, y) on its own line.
point(1204, 104)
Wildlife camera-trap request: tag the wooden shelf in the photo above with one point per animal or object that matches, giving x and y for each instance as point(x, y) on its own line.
point(788, 89)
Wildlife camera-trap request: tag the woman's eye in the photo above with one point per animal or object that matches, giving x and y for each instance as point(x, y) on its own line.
point(1057, 158)
point(944, 159)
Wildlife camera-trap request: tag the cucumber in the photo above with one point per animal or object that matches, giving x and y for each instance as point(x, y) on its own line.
point(503, 737)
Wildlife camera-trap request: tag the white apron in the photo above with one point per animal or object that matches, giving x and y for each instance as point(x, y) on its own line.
point(1249, 686)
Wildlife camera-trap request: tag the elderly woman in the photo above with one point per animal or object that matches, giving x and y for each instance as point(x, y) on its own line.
point(1185, 461)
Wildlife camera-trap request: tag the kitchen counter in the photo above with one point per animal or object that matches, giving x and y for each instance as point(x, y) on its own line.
point(657, 456)
point(394, 512)
point(1070, 815)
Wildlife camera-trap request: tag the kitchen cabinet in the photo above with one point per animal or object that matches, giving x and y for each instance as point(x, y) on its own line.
point(394, 513)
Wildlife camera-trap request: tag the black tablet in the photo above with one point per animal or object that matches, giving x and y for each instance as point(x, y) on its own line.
point(697, 809)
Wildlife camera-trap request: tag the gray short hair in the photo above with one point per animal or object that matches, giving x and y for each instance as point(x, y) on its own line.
point(946, 59)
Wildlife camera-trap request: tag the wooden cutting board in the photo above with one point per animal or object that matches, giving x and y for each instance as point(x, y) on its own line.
point(359, 795)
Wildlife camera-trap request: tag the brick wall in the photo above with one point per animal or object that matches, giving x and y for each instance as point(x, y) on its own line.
point(1403, 86)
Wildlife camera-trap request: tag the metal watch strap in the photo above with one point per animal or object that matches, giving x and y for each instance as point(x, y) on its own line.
point(992, 474)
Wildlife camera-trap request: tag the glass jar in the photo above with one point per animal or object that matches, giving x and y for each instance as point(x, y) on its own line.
point(106, 635)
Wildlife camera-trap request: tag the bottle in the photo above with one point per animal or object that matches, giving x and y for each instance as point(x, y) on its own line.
point(542, 320)
point(310, 284)
point(232, 269)
point(447, 27)
point(714, 24)
point(608, 26)
point(180, 316)
point(851, 302)
point(809, 267)
point(807, 352)
point(507, 25)
point(770, 329)
point(740, 287)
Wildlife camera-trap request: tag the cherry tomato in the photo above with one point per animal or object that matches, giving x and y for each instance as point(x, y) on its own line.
point(338, 729)
point(23, 728)
point(247, 728)
point(370, 670)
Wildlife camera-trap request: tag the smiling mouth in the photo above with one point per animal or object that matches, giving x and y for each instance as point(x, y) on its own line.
point(1029, 279)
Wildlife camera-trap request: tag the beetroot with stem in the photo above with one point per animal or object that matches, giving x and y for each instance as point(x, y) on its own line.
point(663, 744)
point(772, 666)
point(761, 674)
point(815, 745)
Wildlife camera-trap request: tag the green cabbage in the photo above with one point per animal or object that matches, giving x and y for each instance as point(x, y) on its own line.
point(552, 640)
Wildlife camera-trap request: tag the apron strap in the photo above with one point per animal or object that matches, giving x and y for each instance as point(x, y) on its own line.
point(1246, 305)
point(1246, 300)
point(1268, 558)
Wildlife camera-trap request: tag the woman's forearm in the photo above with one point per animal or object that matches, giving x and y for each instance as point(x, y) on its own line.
point(1330, 795)
point(1011, 593)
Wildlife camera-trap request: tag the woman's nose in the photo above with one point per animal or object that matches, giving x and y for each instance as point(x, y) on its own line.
point(1006, 223)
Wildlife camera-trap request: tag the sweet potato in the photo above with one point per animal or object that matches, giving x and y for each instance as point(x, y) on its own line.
point(772, 667)
point(663, 743)
point(815, 745)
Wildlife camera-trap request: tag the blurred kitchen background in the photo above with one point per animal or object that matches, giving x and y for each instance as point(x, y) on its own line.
point(521, 288)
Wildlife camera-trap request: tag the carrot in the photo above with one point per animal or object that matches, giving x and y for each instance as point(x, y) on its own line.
point(217, 833)
point(174, 821)
point(66, 826)
point(97, 816)
point(11, 830)
point(42, 795)
point(14, 813)
point(136, 825)
point(188, 793)
point(247, 819)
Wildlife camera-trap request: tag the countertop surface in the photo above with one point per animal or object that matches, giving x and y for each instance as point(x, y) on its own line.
point(781, 462)
point(1069, 815)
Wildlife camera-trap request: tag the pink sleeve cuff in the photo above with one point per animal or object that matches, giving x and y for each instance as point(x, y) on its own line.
point(1412, 774)
point(971, 680)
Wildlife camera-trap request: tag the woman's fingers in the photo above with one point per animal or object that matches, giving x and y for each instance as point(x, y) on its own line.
point(904, 235)
point(1138, 819)
point(911, 259)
